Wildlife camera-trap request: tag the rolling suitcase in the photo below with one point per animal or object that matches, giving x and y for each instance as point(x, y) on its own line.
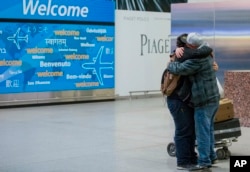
point(225, 132)
point(227, 129)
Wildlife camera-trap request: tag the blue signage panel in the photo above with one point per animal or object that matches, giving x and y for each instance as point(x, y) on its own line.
point(40, 57)
point(71, 10)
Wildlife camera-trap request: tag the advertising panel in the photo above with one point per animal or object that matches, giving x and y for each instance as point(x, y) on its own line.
point(39, 57)
point(142, 5)
point(142, 49)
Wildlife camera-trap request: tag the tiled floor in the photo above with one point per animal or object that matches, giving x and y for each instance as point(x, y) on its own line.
point(113, 136)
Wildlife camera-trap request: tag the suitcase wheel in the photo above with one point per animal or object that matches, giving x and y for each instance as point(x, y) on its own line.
point(228, 153)
point(171, 149)
point(220, 154)
point(223, 153)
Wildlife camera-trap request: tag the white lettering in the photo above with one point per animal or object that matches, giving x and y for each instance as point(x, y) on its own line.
point(31, 83)
point(81, 76)
point(62, 10)
point(108, 76)
point(101, 31)
point(243, 162)
point(87, 76)
point(38, 57)
point(239, 163)
point(87, 45)
point(29, 7)
point(11, 72)
point(55, 64)
point(42, 82)
point(56, 42)
point(42, 10)
point(53, 9)
point(68, 76)
point(69, 49)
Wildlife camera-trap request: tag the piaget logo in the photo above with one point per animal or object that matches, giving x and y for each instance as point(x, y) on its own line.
point(49, 9)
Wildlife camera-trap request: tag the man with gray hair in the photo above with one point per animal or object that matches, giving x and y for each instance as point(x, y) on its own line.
point(205, 98)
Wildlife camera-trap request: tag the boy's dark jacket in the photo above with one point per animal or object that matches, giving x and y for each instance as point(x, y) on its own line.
point(183, 89)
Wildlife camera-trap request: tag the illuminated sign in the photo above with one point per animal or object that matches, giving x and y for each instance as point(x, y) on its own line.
point(71, 10)
point(40, 57)
point(50, 9)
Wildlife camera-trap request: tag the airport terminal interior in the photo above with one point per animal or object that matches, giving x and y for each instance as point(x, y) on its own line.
point(93, 57)
point(127, 135)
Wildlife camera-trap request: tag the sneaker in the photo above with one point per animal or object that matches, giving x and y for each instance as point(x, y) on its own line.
point(184, 167)
point(215, 161)
point(198, 167)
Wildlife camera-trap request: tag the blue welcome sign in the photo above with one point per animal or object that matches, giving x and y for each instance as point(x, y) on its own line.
point(40, 52)
point(72, 10)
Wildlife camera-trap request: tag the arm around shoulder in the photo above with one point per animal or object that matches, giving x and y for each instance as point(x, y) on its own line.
point(187, 67)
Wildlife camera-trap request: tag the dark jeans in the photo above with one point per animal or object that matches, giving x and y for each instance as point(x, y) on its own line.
point(184, 137)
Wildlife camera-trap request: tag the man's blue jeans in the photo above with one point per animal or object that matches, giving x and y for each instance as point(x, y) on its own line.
point(184, 137)
point(204, 129)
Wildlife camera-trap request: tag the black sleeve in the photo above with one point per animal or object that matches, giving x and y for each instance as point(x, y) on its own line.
point(190, 53)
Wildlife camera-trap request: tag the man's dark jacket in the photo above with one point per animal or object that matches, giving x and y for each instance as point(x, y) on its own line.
point(200, 72)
